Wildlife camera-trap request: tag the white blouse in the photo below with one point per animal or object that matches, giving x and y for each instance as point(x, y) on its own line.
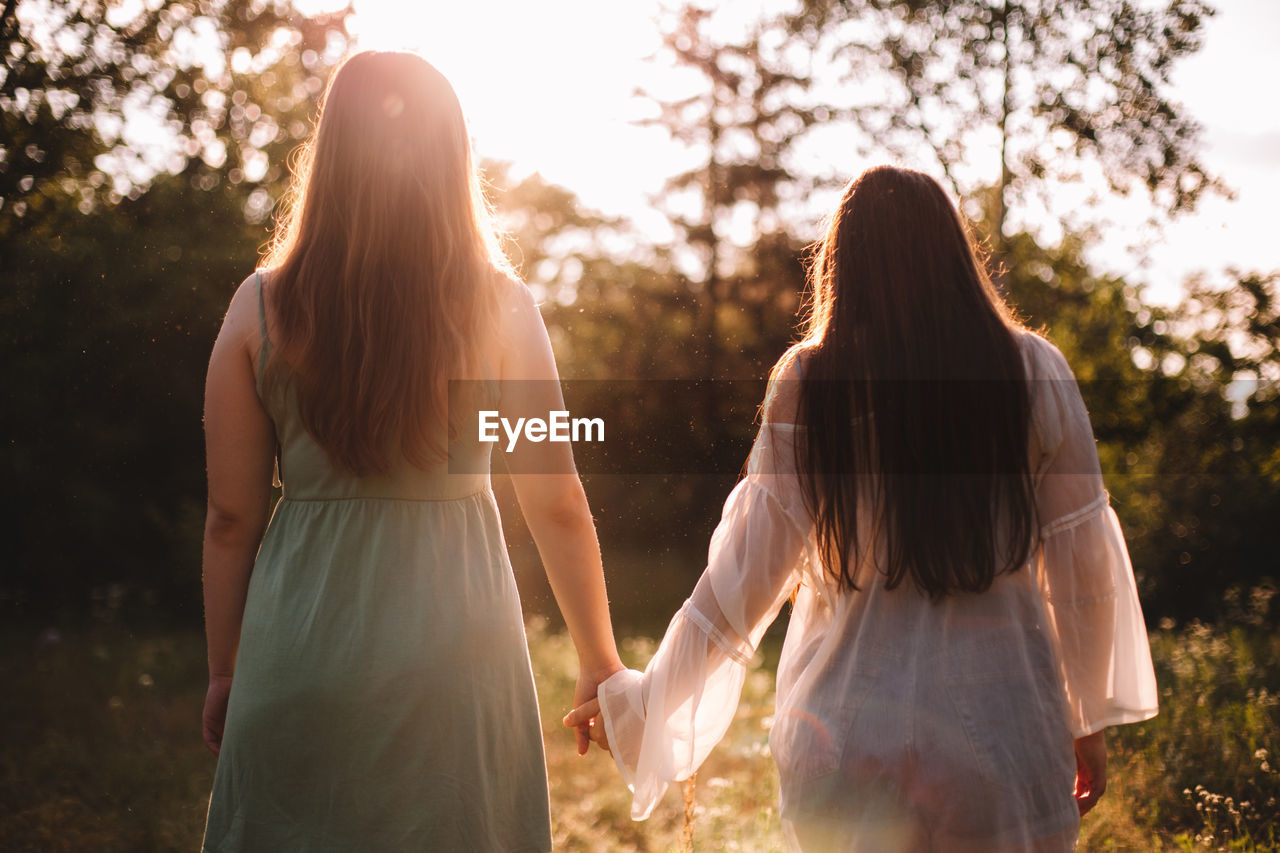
point(903, 722)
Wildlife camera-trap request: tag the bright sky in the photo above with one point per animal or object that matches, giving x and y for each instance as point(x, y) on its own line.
point(549, 86)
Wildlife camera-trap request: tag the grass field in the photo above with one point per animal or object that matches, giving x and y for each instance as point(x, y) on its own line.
point(102, 751)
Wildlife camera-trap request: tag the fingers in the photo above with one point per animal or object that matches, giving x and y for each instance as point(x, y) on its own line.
point(1089, 788)
point(596, 733)
point(213, 718)
point(1088, 798)
point(588, 726)
point(211, 728)
point(582, 714)
point(600, 735)
point(212, 740)
point(1091, 770)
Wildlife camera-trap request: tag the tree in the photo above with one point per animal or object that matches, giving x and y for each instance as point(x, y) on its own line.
point(1058, 90)
point(226, 88)
point(108, 319)
point(1183, 404)
point(1220, 481)
point(115, 281)
point(748, 110)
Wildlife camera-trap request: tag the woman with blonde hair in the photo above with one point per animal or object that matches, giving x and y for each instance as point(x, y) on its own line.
point(926, 490)
point(370, 685)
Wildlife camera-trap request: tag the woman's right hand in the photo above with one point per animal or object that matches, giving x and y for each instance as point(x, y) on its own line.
point(1091, 769)
point(214, 718)
point(589, 681)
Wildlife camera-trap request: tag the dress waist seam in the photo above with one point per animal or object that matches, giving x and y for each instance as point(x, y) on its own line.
point(386, 499)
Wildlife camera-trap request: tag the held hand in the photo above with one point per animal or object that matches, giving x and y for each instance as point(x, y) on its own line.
point(589, 681)
point(1091, 770)
point(215, 711)
point(587, 716)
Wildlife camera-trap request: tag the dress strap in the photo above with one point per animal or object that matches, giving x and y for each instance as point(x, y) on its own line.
point(265, 350)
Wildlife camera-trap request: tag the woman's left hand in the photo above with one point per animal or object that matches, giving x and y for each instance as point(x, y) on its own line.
point(587, 716)
point(215, 711)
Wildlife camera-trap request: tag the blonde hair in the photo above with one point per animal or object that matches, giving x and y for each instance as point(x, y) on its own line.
point(385, 265)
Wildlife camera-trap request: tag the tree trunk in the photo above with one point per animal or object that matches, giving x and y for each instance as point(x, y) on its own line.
point(711, 296)
point(998, 236)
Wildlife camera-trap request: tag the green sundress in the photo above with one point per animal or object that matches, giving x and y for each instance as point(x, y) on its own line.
point(383, 697)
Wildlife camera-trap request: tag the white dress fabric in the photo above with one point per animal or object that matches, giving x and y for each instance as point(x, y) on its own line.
point(903, 723)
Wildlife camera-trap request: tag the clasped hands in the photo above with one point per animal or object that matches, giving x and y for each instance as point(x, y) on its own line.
point(585, 718)
point(589, 722)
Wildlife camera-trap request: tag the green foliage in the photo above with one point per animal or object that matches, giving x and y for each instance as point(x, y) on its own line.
point(1182, 404)
point(115, 279)
point(103, 746)
point(1202, 770)
point(110, 321)
point(233, 82)
point(1069, 89)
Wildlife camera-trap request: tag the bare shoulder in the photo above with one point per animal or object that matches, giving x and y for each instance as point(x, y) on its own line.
point(518, 312)
point(522, 341)
point(241, 323)
point(513, 295)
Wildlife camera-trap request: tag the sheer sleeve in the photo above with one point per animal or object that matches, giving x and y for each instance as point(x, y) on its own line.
point(662, 723)
point(1084, 572)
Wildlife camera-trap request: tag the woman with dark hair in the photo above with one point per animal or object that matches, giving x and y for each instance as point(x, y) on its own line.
point(369, 680)
point(925, 489)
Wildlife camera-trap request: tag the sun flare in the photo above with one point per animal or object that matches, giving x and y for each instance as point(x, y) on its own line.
point(547, 86)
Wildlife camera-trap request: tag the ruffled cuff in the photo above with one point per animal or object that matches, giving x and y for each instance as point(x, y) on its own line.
point(1093, 604)
point(662, 724)
point(622, 707)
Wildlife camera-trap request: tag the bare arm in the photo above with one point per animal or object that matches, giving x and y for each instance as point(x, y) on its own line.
point(661, 725)
point(239, 447)
point(552, 498)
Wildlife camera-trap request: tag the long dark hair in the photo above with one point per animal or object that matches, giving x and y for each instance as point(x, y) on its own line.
point(913, 395)
point(384, 265)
